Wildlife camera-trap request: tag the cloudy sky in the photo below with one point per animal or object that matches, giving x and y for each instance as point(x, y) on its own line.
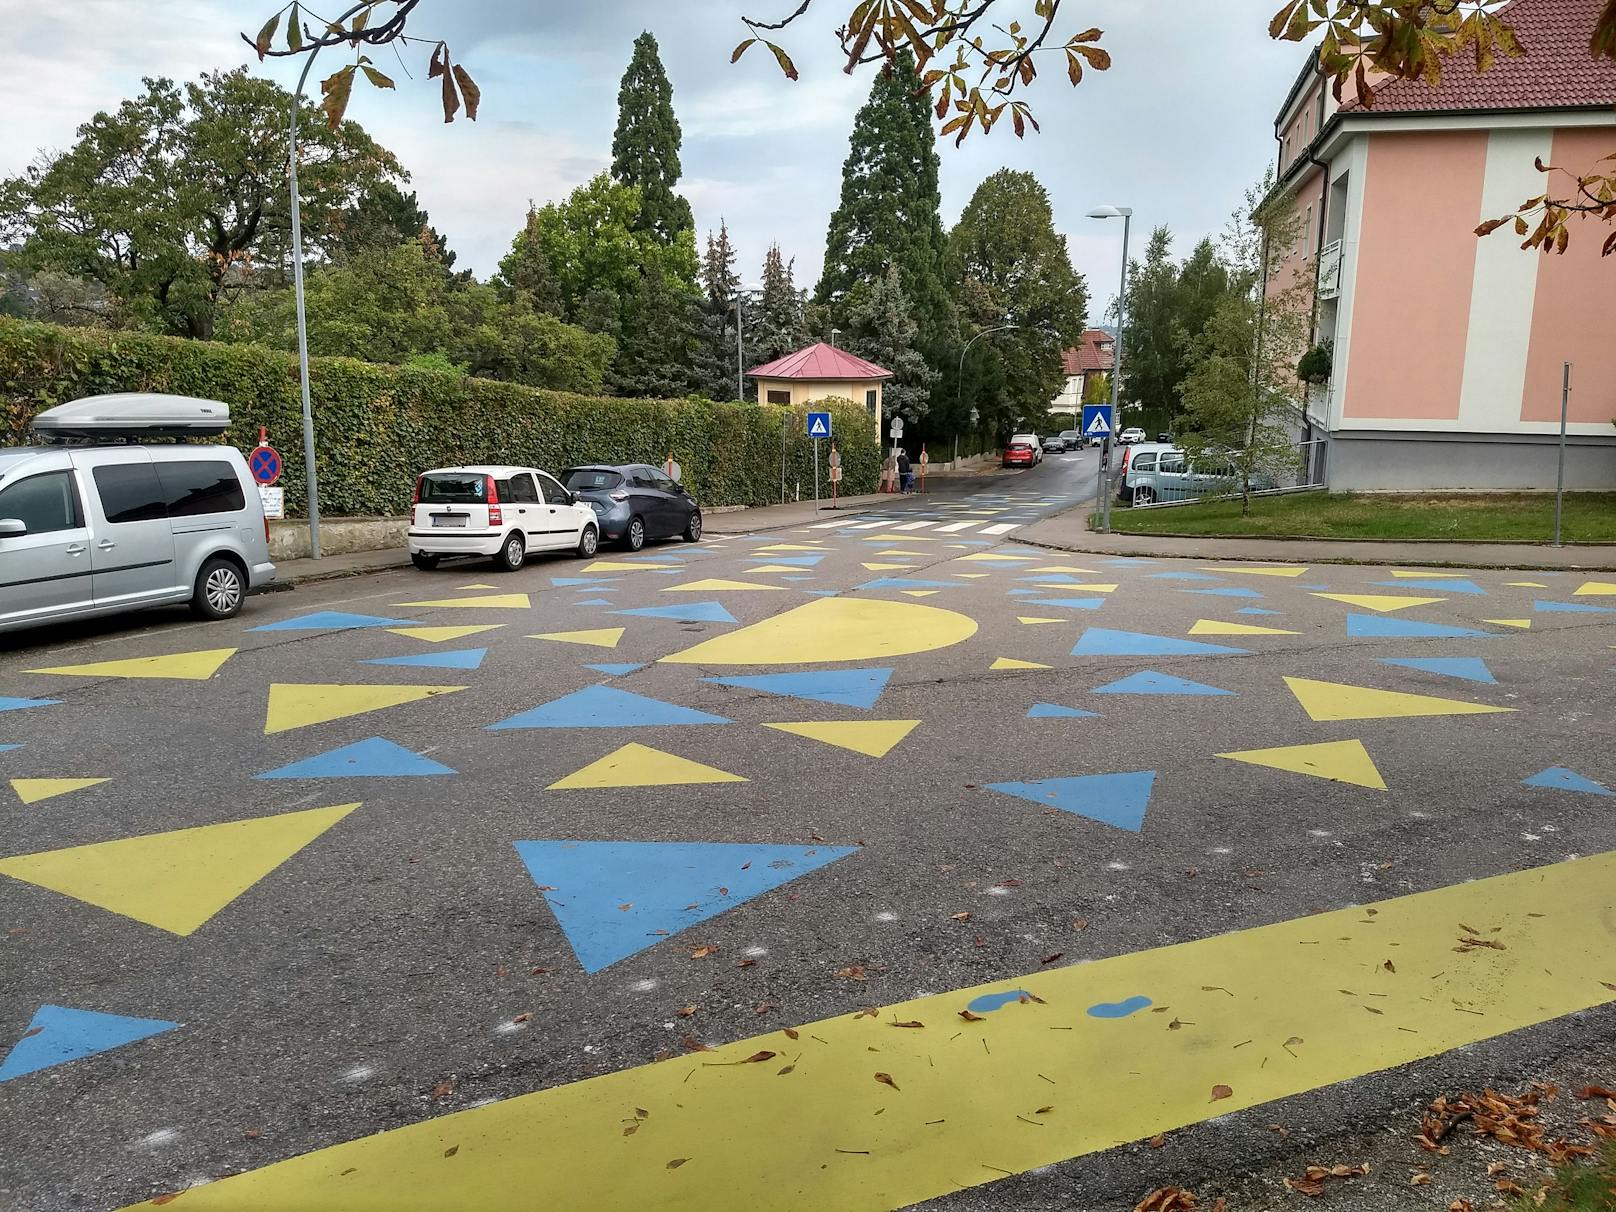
point(1177, 129)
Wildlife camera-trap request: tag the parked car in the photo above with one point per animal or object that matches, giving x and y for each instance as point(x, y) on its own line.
point(1054, 442)
point(496, 511)
point(635, 502)
point(1131, 435)
point(1162, 472)
point(1020, 452)
point(1032, 440)
point(96, 529)
point(1073, 439)
point(1164, 437)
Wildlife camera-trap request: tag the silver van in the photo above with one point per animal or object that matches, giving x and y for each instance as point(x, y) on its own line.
point(97, 521)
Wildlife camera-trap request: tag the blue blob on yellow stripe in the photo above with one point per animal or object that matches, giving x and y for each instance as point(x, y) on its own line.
point(987, 1003)
point(1122, 1009)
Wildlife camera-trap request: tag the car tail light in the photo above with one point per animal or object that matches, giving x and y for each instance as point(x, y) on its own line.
point(619, 495)
point(1126, 451)
point(495, 516)
point(416, 500)
point(493, 490)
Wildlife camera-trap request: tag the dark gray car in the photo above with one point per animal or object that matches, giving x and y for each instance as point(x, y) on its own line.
point(635, 502)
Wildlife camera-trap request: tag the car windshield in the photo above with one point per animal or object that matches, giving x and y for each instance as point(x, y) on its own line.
point(454, 488)
point(590, 479)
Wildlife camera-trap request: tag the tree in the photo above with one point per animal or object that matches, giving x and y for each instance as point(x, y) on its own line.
point(593, 245)
point(525, 274)
point(778, 325)
point(718, 276)
point(657, 346)
point(384, 218)
point(1152, 336)
point(881, 329)
point(645, 146)
point(170, 201)
point(1010, 266)
point(1096, 389)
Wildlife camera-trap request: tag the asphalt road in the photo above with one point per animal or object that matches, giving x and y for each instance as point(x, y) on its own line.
point(202, 1004)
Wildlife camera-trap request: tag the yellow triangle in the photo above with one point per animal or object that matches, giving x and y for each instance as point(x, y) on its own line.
point(1382, 602)
point(1067, 587)
point(789, 547)
point(1592, 589)
point(1065, 568)
point(477, 586)
point(775, 568)
point(885, 567)
point(1009, 663)
point(488, 601)
point(297, 705)
point(1217, 627)
point(1338, 761)
point(881, 555)
point(1021, 618)
point(437, 635)
point(1523, 624)
point(1337, 701)
point(31, 791)
point(995, 558)
point(175, 881)
point(604, 637)
point(636, 765)
point(873, 738)
point(918, 593)
point(969, 576)
point(622, 566)
point(181, 666)
point(1419, 576)
point(1286, 571)
point(1527, 584)
point(715, 585)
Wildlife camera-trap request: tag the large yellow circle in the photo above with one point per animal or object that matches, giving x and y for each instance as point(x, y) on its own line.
point(834, 629)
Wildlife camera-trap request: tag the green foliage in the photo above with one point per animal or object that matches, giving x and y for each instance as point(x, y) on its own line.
point(645, 146)
point(881, 329)
point(657, 344)
point(776, 322)
point(1314, 366)
point(1096, 389)
point(386, 217)
point(379, 426)
point(718, 276)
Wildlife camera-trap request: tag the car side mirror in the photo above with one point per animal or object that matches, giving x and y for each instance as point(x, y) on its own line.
point(11, 528)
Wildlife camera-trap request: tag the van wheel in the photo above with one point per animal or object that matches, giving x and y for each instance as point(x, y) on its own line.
point(634, 536)
point(512, 555)
point(220, 590)
point(1144, 496)
point(693, 530)
point(588, 543)
point(426, 563)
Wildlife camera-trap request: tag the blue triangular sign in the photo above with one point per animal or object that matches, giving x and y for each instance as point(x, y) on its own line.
point(817, 427)
point(1054, 711)
point(1098, 427)
point(1111, 799)
point(455, 658)
point(613, 899)
point(369, 759)
point(844, 687)
point(1150, 682)
point(1471, 669)
point(1558, 778)
point(59, 1034)
point(607, 707)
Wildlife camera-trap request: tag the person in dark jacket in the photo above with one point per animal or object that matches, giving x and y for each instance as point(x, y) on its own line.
point(906, 475)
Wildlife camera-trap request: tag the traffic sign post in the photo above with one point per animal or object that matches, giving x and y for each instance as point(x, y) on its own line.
point(1098, 423)
point(265, 464)
point(819, 425)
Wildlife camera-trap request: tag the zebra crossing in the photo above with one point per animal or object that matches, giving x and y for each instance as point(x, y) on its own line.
point(988, 515)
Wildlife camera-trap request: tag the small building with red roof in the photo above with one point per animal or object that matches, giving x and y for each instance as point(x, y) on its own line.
point(1092, 357)
point(821, 372)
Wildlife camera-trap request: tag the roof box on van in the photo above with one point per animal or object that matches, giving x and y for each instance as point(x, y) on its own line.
point(135, 416)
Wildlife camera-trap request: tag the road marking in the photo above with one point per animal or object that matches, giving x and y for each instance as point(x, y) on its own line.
point(914, 525)
point(298, 705)
point(181, 666)
point(834, 629)
point(955, 527)
point(1001, 528)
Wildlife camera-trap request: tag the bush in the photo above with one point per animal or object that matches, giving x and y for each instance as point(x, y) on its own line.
point(378, 426)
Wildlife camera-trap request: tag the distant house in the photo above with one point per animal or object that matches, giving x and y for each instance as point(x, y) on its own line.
point(821, 372)
point(1448, 348)
point(1092, 357)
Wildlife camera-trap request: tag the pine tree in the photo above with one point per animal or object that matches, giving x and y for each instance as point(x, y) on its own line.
point(779, 327)
point(881, 329)
point(645, 146)
point(718, 276)
point(656, 346)
point(525, 274)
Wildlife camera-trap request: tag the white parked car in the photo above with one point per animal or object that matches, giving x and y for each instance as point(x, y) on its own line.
point(1131, 435)
point(499, 512)
point(1035, 442)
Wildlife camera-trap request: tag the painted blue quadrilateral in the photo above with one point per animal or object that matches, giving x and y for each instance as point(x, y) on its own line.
point(1571, 608)
point(607, 707)
point(1184, 576)
point(1439, 584)
point(844, 687)
point(907, 583)
point(9, 748)
point(373, 758)
point(10, 704)
point(1558, 778)
point(1055, 711)
point(1148, 681)
point(1111, 799)
point(1253, 610)
point(59, 1034)
point(332, 620)
point(613, 899)
point(1103, 641)
point(595, 602)
point(1380, 626)
point(692, 612)
point(455, 658)
point(1471, 669)
point(1233, 591)
point(1069, 603)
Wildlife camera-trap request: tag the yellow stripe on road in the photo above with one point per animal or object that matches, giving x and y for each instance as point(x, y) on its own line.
point(874, 1113)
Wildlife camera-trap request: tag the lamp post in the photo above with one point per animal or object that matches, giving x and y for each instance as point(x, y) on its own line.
point(1126, 215)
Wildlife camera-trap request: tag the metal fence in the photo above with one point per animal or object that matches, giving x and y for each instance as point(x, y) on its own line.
point(1165, 475)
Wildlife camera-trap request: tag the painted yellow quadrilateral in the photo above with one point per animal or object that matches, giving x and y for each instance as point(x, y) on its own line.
point(873, 738)
point(1012, 663)
point(917, 593)
point(1288, 570)
point(1382, 602)
point(479, 585)
point(636, 765)
point(1265, 1014)
point(834, 629)
point(1067, 587)
point(886, 567)
point(1527, 584)
point(179, 666)
point(1219, 627)
point(1338, 701)
point(791, 547)
point(297, 705)
point(993, 557)
point(1022, 618)
point(601, 637)
point(774, 568)
point(1065, 568)
point(1338, 761)
point(31, 791)
point(175, 881)
point(969, 576)
point(437, 635)
point(487, 601)
point(718, 585)
point(624, 566)
point(1594, 589)
point(1523, 624)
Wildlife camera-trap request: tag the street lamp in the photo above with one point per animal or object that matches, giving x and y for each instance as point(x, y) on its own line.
point(1126, 215)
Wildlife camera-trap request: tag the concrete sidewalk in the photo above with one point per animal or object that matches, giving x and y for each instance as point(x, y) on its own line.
point(1069, 532)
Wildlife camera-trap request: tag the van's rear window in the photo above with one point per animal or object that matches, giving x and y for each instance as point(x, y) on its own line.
point(588, 480)
point(454, 489)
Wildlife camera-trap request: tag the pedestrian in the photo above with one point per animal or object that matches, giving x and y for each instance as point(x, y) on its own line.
point(905, 473)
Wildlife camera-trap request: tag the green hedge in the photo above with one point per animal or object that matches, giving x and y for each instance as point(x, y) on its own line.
point(378, 426)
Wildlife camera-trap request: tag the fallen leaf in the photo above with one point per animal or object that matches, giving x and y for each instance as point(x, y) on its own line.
point(686, 1011)
point(960, 917)
point(910, 1023)
point(167, 1198)
point(1461, 1205)
point(791, 1032)
point(1389, 966)
point(250, 1134)
point(1498, 1167)
point(1009, 883)
point(1081, 923)
point(747, 963)
point(1304, 1186)
point(1421, 1179)
point(982, 942)
point(522, 1017)
point(500, 973)
point(1596, 1092)
point(677, 1162)
point(886, 1080)
point(853, 972)
point(1157, 1141)
point(631, 1129)
point(444, 1088)
point(764, 1007)
point(759, 1057)
point(539, 971)
point(969, 1017)
point(786, 1070)
point(703, 951)
point(691, 1044)
point(1220, 1092)
point(451, 1150)
point(624, 908)
point(1282, 1131)
point(1050, 959)
point(867, 1012)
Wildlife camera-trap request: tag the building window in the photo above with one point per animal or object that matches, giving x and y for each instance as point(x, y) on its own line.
point(776, 396)
point(869, 401)
point(1307, 232)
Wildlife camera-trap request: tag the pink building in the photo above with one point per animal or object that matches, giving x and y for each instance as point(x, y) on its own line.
point(1448, 348)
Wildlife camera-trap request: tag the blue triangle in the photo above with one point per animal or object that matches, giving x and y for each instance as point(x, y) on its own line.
point(59, 1034)
point(1572, 608)
point(1069, 603)
point(1150, 682)
point(1184, 576)
point(454, 658)
point(612, 898)
point(693, 612)
point(606, 707)
point(1018, 593)
point(1381, 626)
point(617, 668)
point(798, 561)
point(1440, 584)
point(670, 572)
point(844, 687)
point(822, 593)
point(907, 583)
point(1111, 799)
point(23, 704)
point(654, 558)
point(1253, 610)
point(596, 602)
point(1471, 669)
point(567, 582)
point(9, 748)
point(1560, 779)
point(332, 620)
point(1233, 591)
point(1054, 711)
point(1052, 578)
point(1102, 641)
point(792, 578)
point(374, 758)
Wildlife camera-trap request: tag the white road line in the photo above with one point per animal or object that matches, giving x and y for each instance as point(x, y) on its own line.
point(871, 525)
point(1001, 528)
point(829, 525)
point(914, 525)
point(953, 527)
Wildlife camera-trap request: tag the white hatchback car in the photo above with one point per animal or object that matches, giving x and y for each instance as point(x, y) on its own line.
point(500, 512)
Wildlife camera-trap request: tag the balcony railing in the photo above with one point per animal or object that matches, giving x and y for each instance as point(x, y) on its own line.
point(1330, 270)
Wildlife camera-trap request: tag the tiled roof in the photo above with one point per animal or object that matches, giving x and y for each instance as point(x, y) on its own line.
point(820, 361)
point(1088, 355)
point(1557, 70)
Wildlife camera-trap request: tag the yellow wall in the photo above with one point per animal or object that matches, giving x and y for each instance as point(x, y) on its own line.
point(805, 391)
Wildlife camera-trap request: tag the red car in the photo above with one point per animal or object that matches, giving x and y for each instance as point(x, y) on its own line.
point(1020, 454)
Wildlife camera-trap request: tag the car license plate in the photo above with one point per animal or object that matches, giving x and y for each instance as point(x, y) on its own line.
point(449, 519)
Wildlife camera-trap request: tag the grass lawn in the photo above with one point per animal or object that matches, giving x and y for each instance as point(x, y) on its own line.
point(1590, 517)
point(1588, 1186)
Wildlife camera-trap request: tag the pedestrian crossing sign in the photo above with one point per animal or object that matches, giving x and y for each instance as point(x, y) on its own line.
point(1096, 420)
point(819, 425)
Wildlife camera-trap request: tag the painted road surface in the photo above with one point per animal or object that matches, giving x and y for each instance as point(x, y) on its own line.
point(880, 860)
